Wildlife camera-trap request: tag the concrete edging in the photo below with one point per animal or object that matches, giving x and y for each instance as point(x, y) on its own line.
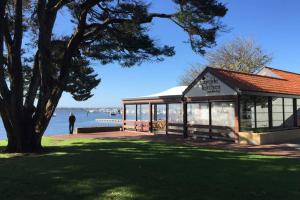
point(97, 129)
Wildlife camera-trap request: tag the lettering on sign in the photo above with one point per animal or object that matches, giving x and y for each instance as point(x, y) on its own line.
point(211, 85)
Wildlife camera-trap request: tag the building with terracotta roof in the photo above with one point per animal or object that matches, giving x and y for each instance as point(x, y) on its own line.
point(248, 108)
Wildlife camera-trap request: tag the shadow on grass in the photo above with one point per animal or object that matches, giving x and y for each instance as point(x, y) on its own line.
point(127, 169)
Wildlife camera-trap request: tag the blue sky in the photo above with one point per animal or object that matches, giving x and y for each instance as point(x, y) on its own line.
point(273, 24)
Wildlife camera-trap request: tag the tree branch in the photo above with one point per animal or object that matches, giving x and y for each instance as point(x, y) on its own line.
point(97, 27)
point(7, 36)
point(46, 22)
point(18, 28)
point(3, 86)
point(15, 70)
point(34, 83)
point(59, 4)
point(48, 102)
point(75, 40)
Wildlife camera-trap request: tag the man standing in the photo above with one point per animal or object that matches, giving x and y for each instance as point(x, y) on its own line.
point(72, 120)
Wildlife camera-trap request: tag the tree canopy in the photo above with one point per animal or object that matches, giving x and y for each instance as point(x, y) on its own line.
point(240, 54)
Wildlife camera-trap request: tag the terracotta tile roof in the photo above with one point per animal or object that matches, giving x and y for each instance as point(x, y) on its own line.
point(289, 83)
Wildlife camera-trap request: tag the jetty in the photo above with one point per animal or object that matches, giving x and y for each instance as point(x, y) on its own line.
point(109, 121)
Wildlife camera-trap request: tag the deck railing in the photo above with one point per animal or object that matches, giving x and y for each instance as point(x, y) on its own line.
point(109, 122)
point(178, 128)
point(143, 126)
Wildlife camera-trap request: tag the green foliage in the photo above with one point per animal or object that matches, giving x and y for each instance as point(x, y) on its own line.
point(82, 77)
point(128, 44)
point(200, 19)
point(114, 31)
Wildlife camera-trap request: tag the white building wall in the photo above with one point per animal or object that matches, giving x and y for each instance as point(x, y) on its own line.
point(210, 85)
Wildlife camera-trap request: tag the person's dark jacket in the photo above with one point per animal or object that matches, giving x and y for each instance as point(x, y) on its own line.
point(72, 119)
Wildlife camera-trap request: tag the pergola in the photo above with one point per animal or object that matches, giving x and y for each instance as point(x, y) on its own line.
point(152, 113)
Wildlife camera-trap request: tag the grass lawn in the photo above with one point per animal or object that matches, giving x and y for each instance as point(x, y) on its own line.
point(128, 169)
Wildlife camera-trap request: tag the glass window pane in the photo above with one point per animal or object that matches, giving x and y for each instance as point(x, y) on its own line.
point(159, 117)
point(262, 115)
point(247, 113)
point(161, 112)
point(198, 113)
point(277, 112)
point(142, 112)
point(222, 114)
point(288, 112)
point(175, 113)
point(130, 112)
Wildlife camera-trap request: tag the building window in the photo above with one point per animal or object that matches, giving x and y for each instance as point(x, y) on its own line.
point(130, 112)
point(222, 114)
point(288, 112)
point(142, 112)
point(262, 115)
point(254, 112)
point(247, 113)
point(277, 112)
point(175, 114)
point(198, 113)
point(159, 112)
point(159, 117)
point(298, 111)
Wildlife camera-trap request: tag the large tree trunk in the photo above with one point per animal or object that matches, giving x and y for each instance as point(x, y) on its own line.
point(35, 121)
point(26, 142)
point(26, 139)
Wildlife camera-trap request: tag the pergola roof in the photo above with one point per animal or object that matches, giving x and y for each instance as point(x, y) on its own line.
point(174, 91)
point(171, 92)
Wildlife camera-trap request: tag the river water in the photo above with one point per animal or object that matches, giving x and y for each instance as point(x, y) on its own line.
point(60, 123)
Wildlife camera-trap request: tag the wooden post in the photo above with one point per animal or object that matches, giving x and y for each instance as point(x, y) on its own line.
point(150, 118)
point(124, 117)
point(154, 118)
point(255, 118)
point(210, 120)
point(237, 118)
point(185, 128)
point(136, 116)
point(238, 113)
point(167, 118)
point(270, 112)
point(283, 114)
point(295, 112)
point(155, 112)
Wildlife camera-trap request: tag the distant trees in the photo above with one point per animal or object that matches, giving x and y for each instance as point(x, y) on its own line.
point(240, 54)
point(107, 31)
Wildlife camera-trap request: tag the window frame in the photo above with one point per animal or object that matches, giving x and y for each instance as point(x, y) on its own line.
point(295, 106)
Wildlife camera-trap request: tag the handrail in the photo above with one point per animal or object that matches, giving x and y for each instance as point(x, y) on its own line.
point(109, 120)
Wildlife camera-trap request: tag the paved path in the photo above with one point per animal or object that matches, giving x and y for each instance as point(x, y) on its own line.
point(116, 134)
point(291, 150)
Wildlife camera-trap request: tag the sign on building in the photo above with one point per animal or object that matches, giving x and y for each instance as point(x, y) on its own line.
point(209, 85)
